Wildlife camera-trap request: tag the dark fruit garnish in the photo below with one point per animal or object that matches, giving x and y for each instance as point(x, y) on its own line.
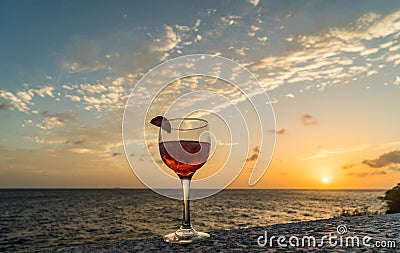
point(162, 122)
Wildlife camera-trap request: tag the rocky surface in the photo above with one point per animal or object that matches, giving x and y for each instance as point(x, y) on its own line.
point(378, 233)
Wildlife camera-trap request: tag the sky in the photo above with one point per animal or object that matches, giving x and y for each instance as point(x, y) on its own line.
point(330, 69)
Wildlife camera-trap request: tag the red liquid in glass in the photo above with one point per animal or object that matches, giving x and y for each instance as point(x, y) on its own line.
point(184, 157)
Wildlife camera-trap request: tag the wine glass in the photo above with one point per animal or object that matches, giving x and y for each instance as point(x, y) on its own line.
point(184, 148)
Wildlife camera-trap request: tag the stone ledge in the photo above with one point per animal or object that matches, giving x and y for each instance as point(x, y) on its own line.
point(382, 228)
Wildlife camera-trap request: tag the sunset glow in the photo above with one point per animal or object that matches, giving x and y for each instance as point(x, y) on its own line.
point(330, 69)
point(325, 180)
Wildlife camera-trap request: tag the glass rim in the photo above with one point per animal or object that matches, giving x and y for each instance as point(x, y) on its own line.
point(189, 119)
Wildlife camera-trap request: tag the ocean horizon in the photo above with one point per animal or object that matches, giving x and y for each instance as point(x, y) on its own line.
point(38, 219)
point(244, 189)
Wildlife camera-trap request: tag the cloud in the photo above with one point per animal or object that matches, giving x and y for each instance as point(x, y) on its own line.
point(229, 20)
point(308, 120)
point(335, 55)
point(279, 132)
point(170, 40)
point(384, 160)
point(397, 80)
point(395, 58)
point(97, 103)
point(92, 88)
point(85, 57)
point(108, 94)
point(102, 136)
point(336, 151)
point(255, 154)
point(367, 27)
point(4, 106)
point(384, 164)
point(394, 168)
point(45, 91)
point(254, 2)
point(22, 100)
point(60, 168)
point(62, 117)
point(388, 145)
point(26, 96)
point(145, 52)
point(262, 39)
point(73, 98)
point(348, 166)
point(68, 87)
point(14, 101)
point(366, 174)
point(76, 142)
point(53, 120)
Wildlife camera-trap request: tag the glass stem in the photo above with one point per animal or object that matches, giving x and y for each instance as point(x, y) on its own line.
point(186, 204)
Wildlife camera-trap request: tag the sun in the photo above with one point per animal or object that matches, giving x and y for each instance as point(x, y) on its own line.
point(325, 180)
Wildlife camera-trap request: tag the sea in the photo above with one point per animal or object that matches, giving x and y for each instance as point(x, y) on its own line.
point(48, 219)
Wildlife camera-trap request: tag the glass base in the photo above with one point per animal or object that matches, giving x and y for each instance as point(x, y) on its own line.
point(185, 236)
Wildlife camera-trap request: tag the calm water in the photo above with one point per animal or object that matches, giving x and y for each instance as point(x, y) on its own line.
point(48, 219)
